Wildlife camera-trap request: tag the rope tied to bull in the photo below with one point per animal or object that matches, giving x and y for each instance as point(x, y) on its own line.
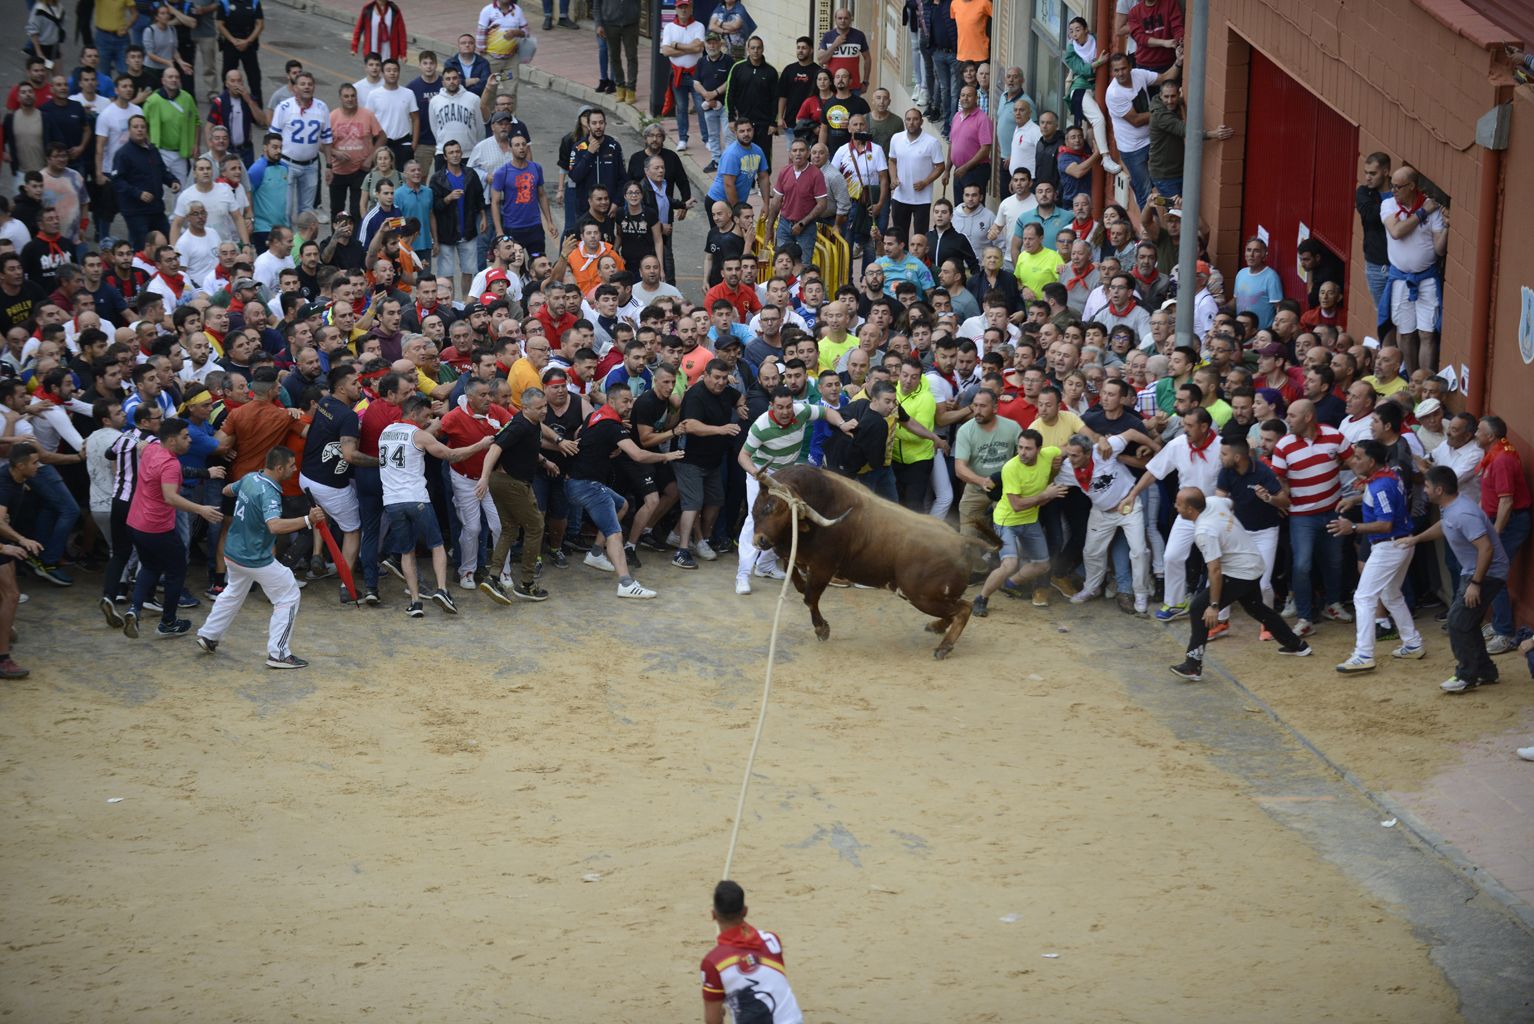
point(794, 504)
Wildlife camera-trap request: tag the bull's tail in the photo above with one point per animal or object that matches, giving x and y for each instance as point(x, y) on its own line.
point(978, 549)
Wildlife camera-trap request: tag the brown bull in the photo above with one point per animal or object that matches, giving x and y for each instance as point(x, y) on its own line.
point(849, 532)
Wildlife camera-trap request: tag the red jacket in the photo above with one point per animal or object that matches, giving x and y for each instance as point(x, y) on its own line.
point(390, 33)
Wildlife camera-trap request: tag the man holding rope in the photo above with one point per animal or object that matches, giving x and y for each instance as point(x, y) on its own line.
point(744, 970)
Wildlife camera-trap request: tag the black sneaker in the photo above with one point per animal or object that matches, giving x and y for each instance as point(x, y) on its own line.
point(1298, 650)
point(713, 165)
point(723, 547)
point(548, 22)
point(683, 560)
point(529, 591)
point(653, 543)
point(496, 592)
point(207, 646)
point(1191, 670)
point(414, 610)
point(153, 605)
point(130, 624)
point(982, 607)
point(567, 23)
point(320, 571)
point(346, 595)
point(631, 553)
point(370, 595)
point(445, 601)
point(214, 589)
point(110, 613)
point(291, 661)
point(559, 558)
point(187, 601)
point(392, 565)
point(181, 627)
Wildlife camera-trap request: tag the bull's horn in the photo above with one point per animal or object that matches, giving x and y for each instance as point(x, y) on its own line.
point(781, 490)
point(820, 520)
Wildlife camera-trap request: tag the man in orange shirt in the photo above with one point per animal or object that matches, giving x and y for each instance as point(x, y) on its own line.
point(973, 18)
point(527, 372)
point(249, 432)
point(731, 289)
point(583, 259)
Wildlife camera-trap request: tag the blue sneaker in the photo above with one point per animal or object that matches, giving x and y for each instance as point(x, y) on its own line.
point(1171, 612)
point(188, 601)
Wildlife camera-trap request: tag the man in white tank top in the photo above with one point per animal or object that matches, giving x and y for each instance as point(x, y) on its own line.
point(408, 515)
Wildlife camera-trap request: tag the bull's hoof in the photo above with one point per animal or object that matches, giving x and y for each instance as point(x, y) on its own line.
point(936, 626)
point(823, 631)
point(941, 653)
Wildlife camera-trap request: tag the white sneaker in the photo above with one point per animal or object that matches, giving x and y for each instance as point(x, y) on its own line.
point(633, 589)
point(742, 585)
point(505, 581)
point(1356, 663)
point(1412, 653)
point(1488, 631)
point(1527, 753)
point(1082, 596)
point(1142, 604)
point(1111, 165)
point(771, 572)
point(466, 581)
point(673, 539)
point(597, 561)
point(705, 552)
point(1289, 611)
point(1500, 645)
point(1303, 627)
point(1335, 612)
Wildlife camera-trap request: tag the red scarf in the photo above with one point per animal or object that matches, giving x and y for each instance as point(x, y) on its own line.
point(1502, 447)
point(606, 412)
point(1079, 278)
point(176, 287)
point(52, 243)
point(1083, 230)
point(49, 396)
point(1084, 477)
point(1155, 274)
point(1122, 312)
point(216, 339)
point(1404, 213)
point(1202, 451)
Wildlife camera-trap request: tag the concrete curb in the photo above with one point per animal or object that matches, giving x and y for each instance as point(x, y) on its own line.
point(631, 116)
point(1446, 850)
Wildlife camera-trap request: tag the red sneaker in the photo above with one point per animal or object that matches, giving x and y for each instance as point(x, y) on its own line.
point(1220, 629)
point(10, 670)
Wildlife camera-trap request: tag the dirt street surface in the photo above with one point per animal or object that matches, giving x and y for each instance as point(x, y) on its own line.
point(518, 813)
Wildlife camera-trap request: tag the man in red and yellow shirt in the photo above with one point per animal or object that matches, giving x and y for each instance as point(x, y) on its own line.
point(744, 970)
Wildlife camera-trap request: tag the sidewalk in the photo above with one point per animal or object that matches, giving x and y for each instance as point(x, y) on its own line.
point(566, 63)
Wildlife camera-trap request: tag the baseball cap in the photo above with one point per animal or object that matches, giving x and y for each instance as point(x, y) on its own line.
point(1202, 268)
point(501, 116)
point(1272, 350)
point(728, 340)
point(1174, 212)
point(1427, 407)
point(684, 3)
point(713, 37)
point(312, 309)
point(242, 284)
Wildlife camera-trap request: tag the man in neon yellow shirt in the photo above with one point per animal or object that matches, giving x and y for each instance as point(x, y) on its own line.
point(1036, 264)
point(1026, 484)
point(913, 453)
point(837, 341)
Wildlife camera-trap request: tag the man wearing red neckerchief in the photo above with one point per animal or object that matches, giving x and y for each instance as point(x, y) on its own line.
point(47, 251)
point(744, 970)
point(1194, 455)
point(1152, 287)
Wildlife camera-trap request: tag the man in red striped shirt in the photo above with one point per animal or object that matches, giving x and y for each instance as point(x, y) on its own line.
point(1309, 461)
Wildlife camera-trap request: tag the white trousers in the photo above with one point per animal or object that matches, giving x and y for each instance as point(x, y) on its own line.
point(942, 487)
point(1267, 544)
point(750, 557)
point(280, 588)
point(1380, 583)
point(469, 510)
point(1178, 546)
point(1101, 526)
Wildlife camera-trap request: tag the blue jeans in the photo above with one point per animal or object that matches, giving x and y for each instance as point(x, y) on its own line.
point(599, 501)
point(113, 49)
point(1118, 555)
point(1378, 276)
point(1307, 539)
point(715, 122)
point(601, 58)
point(1137, 163)
point(564, 8)
point(303, 181)
point(370, 507)
point(56, 506)
point(805, 239)
point(685, 100)
point(162, 559)
point(1513, 536)
point(882, 482)
point(1171, 188)
point(945, 84)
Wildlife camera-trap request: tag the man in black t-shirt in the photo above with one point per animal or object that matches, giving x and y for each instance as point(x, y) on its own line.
point(655, 422)
point(708, 418)
point(518, 451)
point(330, 453)
point(604, 433)
point(723, 242)
point(18, 296)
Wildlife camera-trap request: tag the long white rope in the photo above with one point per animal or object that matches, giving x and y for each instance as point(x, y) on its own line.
point(761, 717)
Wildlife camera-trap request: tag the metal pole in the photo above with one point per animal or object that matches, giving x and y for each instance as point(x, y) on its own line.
point(1195, 45)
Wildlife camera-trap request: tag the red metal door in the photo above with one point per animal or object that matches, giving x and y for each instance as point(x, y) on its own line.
point(1301, 160)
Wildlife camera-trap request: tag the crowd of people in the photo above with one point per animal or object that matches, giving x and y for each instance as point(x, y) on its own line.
point(239, 330)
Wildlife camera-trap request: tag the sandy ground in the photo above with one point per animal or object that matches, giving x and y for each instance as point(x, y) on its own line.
point(406, 831)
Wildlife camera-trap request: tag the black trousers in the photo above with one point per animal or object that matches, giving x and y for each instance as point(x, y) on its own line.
point(248, 61)
point(1246, 593)
point(914, 482)
point(1471, 662)
point(122, 550)
point(346, 192)
point(904, 215)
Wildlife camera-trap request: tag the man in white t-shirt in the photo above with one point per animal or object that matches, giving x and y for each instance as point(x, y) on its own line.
point(681, 42)
point(1130, 91)
point(398, 113)
point(277, 258)
point(112, 126)
point(1416, 234)
point(198, 243)
point(916, 160)
point(371, 81)
point(1021, 201)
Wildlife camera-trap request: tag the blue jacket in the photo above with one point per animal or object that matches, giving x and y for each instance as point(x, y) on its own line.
point(139, 169)
point(480, 69)
point(945, 33)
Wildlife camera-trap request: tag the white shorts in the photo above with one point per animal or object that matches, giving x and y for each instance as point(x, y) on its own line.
point(339, 503)
point(1409, 316)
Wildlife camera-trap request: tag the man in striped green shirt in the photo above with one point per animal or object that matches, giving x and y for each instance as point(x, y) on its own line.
point(779, 437)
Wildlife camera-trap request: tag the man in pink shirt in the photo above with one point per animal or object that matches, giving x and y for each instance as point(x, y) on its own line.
point(152, 524)
point(799, 198)
point(970, 141)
